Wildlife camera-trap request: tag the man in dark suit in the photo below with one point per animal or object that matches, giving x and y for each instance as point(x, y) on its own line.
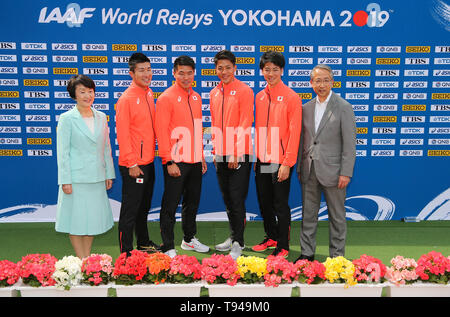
point(325, 162)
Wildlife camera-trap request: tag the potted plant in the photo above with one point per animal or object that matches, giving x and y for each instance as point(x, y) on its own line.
point(433, 267)
point(130, 270)
point(341, 281)
point(37, 269)
point(97, 269)
point(184, 269)
point(67, 272)
point(182, 276)
point(279, 271)
point(9, 275)
point(428, 277)
point(158, 265)
point(251, 269)
point(219, 269)
point(369, 269)
point(310, 272)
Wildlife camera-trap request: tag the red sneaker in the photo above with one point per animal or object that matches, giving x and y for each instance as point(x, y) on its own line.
point(280, 252)
point(264, 245)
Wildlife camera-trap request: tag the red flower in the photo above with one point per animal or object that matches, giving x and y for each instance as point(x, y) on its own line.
point(219, 268)
point(433, 267)
point(131, 269)
point(369, 269)
point(37, 269)
point(9, 273)
point(279, 271)
point(310, 272)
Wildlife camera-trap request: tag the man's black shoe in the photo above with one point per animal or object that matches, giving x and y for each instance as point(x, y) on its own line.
point(305, 257)
point(151, 248)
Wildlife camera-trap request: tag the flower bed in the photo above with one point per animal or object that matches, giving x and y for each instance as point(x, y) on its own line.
point(44, 271)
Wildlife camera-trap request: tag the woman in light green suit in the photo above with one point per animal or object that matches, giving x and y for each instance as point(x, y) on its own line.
point(85, 169)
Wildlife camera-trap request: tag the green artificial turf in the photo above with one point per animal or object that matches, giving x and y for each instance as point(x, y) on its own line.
point(381, 239)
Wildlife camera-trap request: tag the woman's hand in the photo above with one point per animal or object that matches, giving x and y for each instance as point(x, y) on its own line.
point(67, 189)
point(108, 183)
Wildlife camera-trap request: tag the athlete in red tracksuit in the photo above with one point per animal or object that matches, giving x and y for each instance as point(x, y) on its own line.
point(136, 137)
point(180, 145)
point(231, 106)
point(278, 121)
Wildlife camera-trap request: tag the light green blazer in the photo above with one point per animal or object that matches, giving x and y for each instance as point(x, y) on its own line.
point(83, 156)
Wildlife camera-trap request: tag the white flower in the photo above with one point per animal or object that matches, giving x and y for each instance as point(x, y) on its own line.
point(67, 272)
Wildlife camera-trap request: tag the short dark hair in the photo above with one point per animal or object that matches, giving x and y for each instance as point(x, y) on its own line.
point(272, 57)
point(137, 58)
point(76, 80)
point(183, 60)
point(225, 54)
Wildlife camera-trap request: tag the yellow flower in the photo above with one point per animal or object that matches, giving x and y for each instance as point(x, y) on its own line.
point(339, 268)
point(251, 264)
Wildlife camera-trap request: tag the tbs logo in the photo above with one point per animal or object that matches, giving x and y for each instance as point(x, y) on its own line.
point(372, 17)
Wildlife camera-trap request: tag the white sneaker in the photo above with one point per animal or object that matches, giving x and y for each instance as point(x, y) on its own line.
point(172, 253)
point(194, 245)
point(226, 245)
point(236, 250)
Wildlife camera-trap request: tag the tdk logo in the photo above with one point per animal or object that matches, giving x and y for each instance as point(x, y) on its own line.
point(74, 15)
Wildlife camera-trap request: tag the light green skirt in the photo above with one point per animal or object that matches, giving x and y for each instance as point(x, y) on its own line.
point(84, 212)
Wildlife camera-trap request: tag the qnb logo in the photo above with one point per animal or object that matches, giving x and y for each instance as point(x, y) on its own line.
point(373, 16)
point(74, 16)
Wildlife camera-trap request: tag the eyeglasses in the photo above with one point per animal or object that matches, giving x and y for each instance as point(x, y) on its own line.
point(325, 81)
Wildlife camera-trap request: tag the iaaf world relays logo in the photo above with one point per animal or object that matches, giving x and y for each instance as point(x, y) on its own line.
point(74, 16)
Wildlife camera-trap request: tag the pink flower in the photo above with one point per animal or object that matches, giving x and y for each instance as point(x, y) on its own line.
point(184, 269)
point(37, 269)
point(433, 267)
point(279, 271)
point(97, 269)
point(9, 273)
point(311, 272)
point(219, 268)
point(402, 271)
point(369, 269)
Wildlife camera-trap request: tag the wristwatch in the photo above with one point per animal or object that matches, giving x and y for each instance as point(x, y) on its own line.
point(170, 163)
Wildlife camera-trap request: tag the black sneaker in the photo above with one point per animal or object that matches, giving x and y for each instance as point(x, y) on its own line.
point(151, 248)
